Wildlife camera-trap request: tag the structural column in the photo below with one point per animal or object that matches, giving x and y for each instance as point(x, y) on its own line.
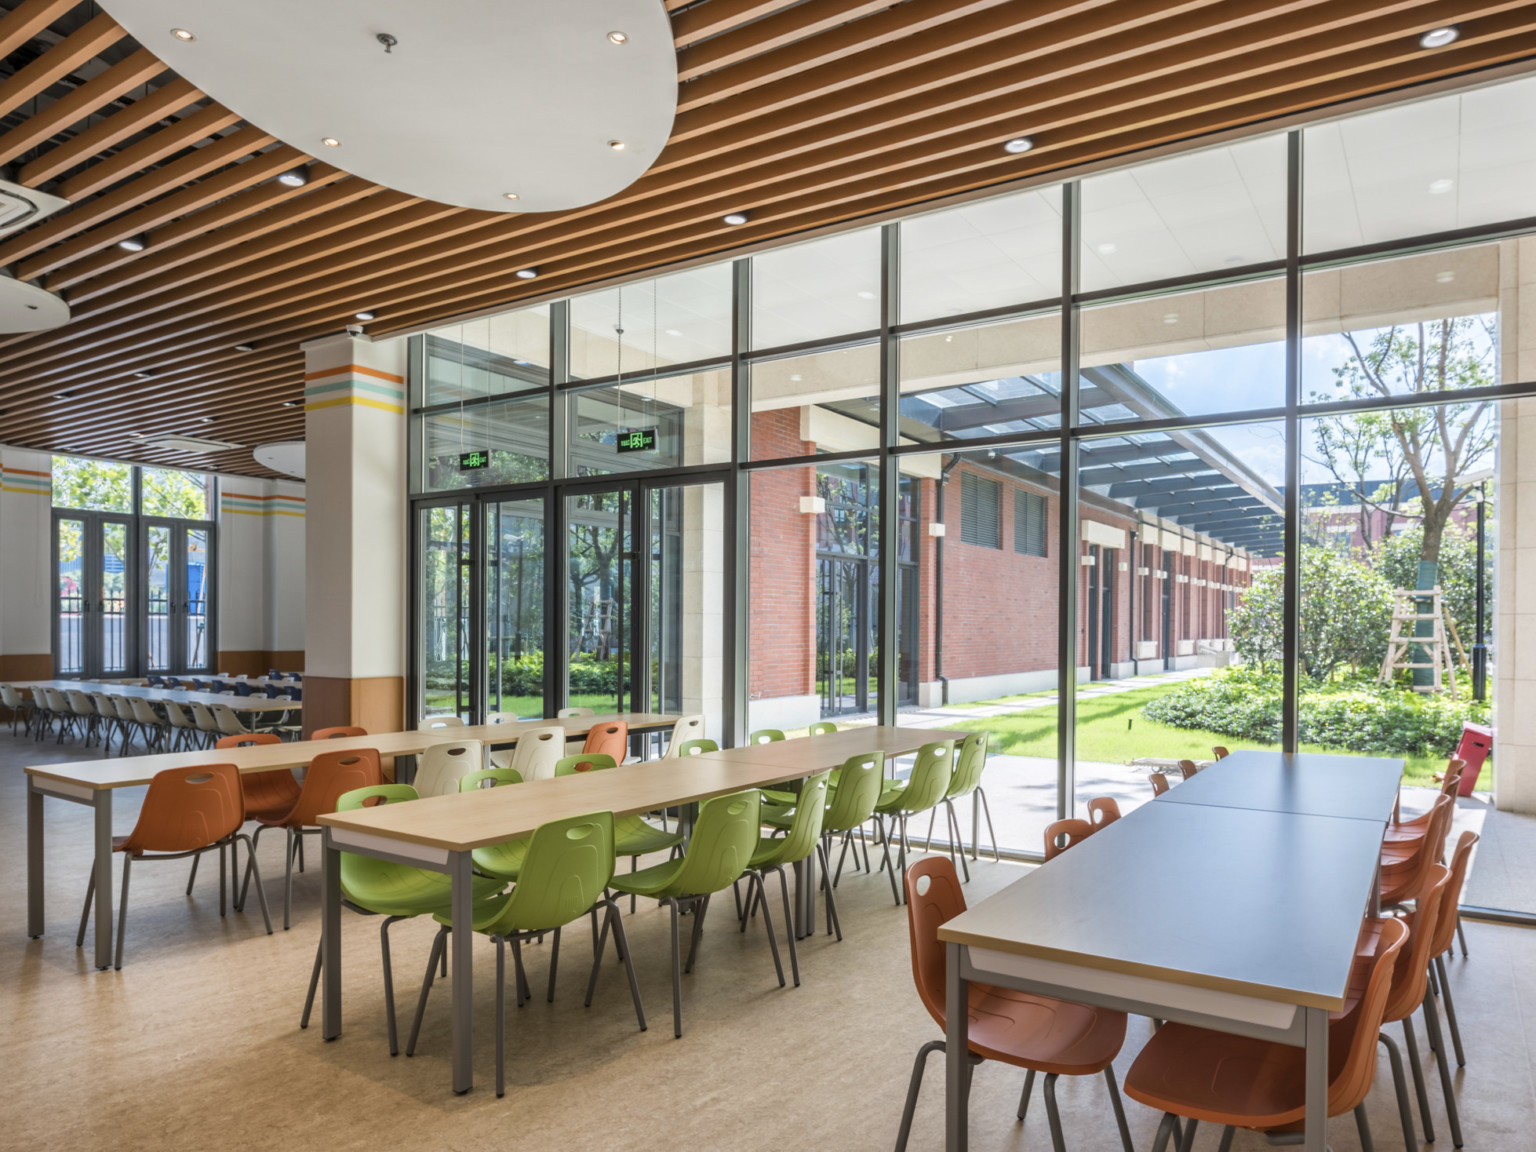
point(354, 534)
point(26, 601)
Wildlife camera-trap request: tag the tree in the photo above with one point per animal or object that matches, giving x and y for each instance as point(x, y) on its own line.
point(1436, 447)
point(1398, 559)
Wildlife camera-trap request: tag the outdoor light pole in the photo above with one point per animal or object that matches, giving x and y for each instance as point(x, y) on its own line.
point(1479, 649)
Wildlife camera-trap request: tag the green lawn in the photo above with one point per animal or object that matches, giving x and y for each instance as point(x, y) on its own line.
point(529, 706)
point(1111, 729)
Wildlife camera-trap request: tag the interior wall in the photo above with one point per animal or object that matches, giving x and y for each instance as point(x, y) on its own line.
point(26, 604)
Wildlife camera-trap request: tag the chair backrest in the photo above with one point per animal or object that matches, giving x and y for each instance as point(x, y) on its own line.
point(724, 838)
point(805, 828)
point(502, 718)
point(143, 711)
point(570, 765)
point(294, 693)
point(1451, 780)
point(9, 696)
point(337, 732)
point(858, 791)
point(188, 808)
point(538, 750)
point(1445, 924)
point(821, 728)
point(1063, 834)
point(274, 692)
point(1354, 1034)
point(568, 864)
point(103, 704)
point(442, 766)
point(243, 689)
point(330, 774)
point(610, 737)
point(203, 718)
point(970, 759)
point(1159, 783)
point(229, 724)
point(930, 776)
point(57, 701)
point(367, 880)
point(1409, 875)
point(1411, 977)
point(1219, 752)
point(1102, 810)
point(1188, 768)
point(175, 715)
point(686, 729)
point(80, 702)
point(483, 778)
point(765, 736)
point(124, 707)
point(933, 897)
point(575, 711)
point(430, 722)
point(247, 740)
point(153, 681)
point(697, 747)
point(296, 677)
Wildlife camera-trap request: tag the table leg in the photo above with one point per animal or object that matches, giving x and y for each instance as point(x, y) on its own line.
point(1373, 905)
point(463, 971)
point(1316, 1124)
point(102, 803)
point(330, 938)
point(34, 860)
point(956, 1050)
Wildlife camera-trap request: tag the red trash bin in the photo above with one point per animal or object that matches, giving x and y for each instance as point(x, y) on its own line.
point(1476, 743)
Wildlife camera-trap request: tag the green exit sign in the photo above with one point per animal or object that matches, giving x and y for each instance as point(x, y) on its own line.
point(637, 440)
point(469, 461)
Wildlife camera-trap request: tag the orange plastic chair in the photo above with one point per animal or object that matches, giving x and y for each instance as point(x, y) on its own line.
point(1159, 783)
point(1064, 834)
point(1036, 1033)
point(610, 738)
point(1219, 752)
point(1447, 928)
point(1401, 830)
point(1188, 768)
point(1258, 1084)
point(330, 774)
point(186, 811)
point(1410, 990)
point(273, 791)
point(1102, 811)
point(1405, 866)
point(337, 732)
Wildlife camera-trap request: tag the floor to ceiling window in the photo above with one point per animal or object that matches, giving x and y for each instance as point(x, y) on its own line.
point(1097, 466)
point(133, 569)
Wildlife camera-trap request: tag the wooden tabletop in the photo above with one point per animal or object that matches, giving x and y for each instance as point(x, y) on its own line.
point(1361, 787)
point(476, 819)
point(132, 771)
point(1257, 903)
point(177, 695)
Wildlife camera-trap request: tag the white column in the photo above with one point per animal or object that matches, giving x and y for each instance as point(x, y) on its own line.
point(26, 564)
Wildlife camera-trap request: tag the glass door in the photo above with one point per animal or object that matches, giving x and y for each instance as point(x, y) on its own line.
point(177, 565)
point(94, 586)
point(514, 607)
point(683, 573)
point(445, 562)
point(601, 570)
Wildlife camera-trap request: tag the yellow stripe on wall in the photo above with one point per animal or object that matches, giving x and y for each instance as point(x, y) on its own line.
point(359, 400)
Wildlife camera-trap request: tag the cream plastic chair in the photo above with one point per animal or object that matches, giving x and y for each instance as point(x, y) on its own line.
point(536, 753)
point(580, 742)
point(110, 724)
point(229, 722)
point(58, 706)
point(430, 722)
point(21, 708)
point(503, 718)
point(144, 715)
point(442, 766)
point(183, 733)
point(207, 727)
point(688, 728)
point(80, 704)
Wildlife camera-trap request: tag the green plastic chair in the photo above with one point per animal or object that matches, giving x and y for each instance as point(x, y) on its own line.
point(970, 760)
point(633, 836)
point(802, 838)
point(924, 789)
point(501, 861)
point(765, 736)
point(821, 728)
point(724, 838)
point(564, 874)
point(696, 747)
point(397, 892)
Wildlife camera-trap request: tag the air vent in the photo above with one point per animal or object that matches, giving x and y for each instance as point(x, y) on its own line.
point(22, 206)
point(191, 444)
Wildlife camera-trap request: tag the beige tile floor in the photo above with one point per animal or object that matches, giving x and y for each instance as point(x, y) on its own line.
point(195, 1043)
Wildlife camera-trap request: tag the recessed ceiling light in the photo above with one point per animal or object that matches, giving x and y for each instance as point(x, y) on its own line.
point(619, 37)
point(290, 403)
point(1440, 37)
point(134, 243)
point(205, 420)
point(1444, 277)
point(1108, 248)
point(866, 295)
point(673, 332)
point(144, 374)
point(182, 34)
point(1018, 144)
point(245, 347)
point(1170, 317)
point(616, 145)
point(734, 218)
point(1441, 187)
point(510, 195)
point(796, 376)
point(330, 142)
point(363, 315)
point(526, 273)
point(137, 435)
point(1232, 260)
point(295, 177)
point(62, 395)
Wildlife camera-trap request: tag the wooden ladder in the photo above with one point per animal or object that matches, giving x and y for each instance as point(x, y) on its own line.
point(1401, 646)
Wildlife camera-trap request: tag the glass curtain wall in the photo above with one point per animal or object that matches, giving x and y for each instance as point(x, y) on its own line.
point(1059, 464)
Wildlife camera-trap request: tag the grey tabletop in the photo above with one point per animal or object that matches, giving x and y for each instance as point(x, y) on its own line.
point(1310, 784)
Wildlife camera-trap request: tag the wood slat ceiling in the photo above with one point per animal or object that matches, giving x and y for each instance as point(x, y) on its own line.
point(807, 114)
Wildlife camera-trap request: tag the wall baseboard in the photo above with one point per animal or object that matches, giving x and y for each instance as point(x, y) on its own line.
point(27, 666)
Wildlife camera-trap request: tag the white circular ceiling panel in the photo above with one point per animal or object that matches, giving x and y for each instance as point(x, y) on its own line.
point(466, 102)
point(27, 308)
point(285, 456)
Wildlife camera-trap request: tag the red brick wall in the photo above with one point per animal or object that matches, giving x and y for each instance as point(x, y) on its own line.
point(782, 592)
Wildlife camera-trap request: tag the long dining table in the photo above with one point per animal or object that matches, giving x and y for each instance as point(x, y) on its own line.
point(161, 695)
point(440, 833)
point(1232, 902)
point(92, 783)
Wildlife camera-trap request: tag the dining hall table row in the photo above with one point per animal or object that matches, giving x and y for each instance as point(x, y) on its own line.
point(92, 783)
point(165, 695)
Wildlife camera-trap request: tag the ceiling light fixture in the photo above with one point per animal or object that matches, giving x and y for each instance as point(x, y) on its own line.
point(182, 34)
point(290, 403)
point(245, 347)
point(526, 273)
point(673, 332)
point(734, 218)
point(62, 395)
point(1018, 144)
point(1444, 277)
point(616, 145)
point(866, 295)
point(1441, 187)
point(1108, 248)
point(510, 195)
point(295, 177)
point(363, 315)
point(144, 374)
point(330, 142)
point(619, 37)
point(1440, 37)
point(134, 243)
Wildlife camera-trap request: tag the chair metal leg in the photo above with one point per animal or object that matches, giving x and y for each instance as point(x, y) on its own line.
point(834, 921)
point(223, 882)
point(773, 942)
point(789, 922)
point(122, 911)
point(913, 1087)
point(314, 982)
point(524, 994)
point(501, 1015)
point(261, 889)
point(288, 882)
point(1418, 1079)
point(1164, 1131)
point(987, 810)
point(1226, 1139)
point(1188, 1140)
point(1119, 1107)
point(958, 844)
point(389, 984)
point(193, 875)
point(1053, 1115)
point(85, 913)
point(439, 942)
point(554, 962)
point(1363, 1126)
point(1432, 1025)
point(677, 973)
point(700, 909)
point(1461, 936)
point(1450, 1011)
point(1029, 1087)
point(1400, 1086)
